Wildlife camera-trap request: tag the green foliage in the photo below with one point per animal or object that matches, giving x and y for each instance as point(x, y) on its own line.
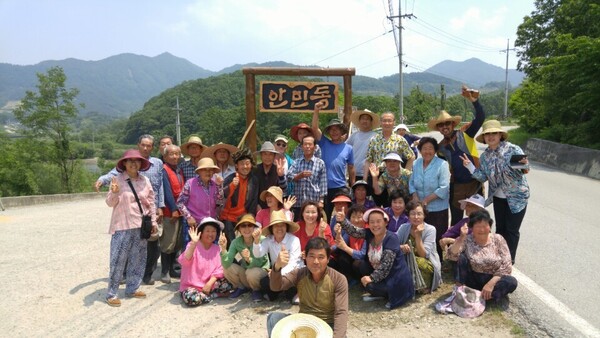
point(561, 48)
point(47, 115)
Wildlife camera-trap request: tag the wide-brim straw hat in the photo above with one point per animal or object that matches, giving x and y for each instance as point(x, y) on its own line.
point(210, 151)
point(278, 216)
point(133, 154)
point(355, 117)
point(192, 140)
point(443, 117)
point(267, 147)
point(294, 131)
point(247, 218)
point(207, 163)
point(273, 190)
point(302, 325)
point(336, 122)
point(491, 126)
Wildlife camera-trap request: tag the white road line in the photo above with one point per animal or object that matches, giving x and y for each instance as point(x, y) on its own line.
point(571, 317)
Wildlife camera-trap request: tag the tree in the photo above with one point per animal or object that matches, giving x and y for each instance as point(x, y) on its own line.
point(47, 115)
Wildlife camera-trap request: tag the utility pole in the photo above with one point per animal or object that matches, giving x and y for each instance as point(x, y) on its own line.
point(398, 41)
point(505, 114)
point(177, 124)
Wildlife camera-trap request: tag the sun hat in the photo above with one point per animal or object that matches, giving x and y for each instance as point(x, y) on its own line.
point(341, 198)
point(294, 131)
point(401, 126)
point(443, 117)
point(302, 325)
point(476, 199)
point(355, 117)
point(393, 157)
point(246, 218)
point(273, 190)
point(207, 163)
point(210, 151)
point(491, 126)
point(208, 221)
point(132, 154)
point(336, 122)
point(468, 302)
point(362, 183)
point(267, 147)
point(192, 140)
point(278, 216)
point(280, 138)
point(368, 212)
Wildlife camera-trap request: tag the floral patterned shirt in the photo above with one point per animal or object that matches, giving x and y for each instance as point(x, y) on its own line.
point(495, 168)
point(379, 147)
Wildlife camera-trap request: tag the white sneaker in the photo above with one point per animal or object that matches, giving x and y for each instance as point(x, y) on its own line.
point(371, 298)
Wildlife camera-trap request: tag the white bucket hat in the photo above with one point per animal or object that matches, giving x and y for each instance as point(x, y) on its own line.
point(476, 199)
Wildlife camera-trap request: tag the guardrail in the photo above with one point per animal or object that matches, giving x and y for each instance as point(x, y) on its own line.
point(20, 201)
point(572, 159)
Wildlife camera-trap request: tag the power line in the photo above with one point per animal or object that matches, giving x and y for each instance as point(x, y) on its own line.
point(351, 48)
point(453, 37)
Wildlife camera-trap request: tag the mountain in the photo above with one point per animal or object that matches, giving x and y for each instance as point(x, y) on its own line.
point(475, 73)
point(122, 84)
point(115, 86)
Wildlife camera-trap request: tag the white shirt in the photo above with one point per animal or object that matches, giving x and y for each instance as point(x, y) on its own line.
point(269, 246)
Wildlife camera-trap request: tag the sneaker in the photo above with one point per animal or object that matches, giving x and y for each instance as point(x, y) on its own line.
point(113, 301)
point(388, 305)
point(137, 294)
point(371, 298)
point(296, 300)
point(257, 296)
point(149, 281)
point(165, 278)
point(238, 292)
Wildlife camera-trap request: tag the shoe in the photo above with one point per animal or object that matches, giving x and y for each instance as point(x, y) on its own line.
point(113, 301)
point(257, 296)
point(371, 298)
point(174, 273)
point(137, 294)
point(238, 292)
point(165, 278)
point(296, 300)
point(388, 305)
point(149, 281)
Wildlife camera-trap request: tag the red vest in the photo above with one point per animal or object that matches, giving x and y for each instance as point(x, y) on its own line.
point(177, 182)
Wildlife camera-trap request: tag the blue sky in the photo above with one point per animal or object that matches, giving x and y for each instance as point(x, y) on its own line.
point(215, 34)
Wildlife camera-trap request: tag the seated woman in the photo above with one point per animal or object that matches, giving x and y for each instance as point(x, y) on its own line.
point(393, 178)
point(246, 275)
point(274, 199)
point(340, 202)
point(483, 258)
point(349, 251)
point(312, 225)
point(397, 210)
point(202, 277)
point(384, 269)
point(279, 233)
point(469, 205)
point(418, 238)
point(361, 191)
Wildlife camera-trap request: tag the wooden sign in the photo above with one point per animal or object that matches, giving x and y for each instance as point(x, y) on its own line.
point(298, 96)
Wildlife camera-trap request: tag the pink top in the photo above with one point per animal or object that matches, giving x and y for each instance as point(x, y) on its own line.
point(126, 213)
point(263, 217)
point(204, 264)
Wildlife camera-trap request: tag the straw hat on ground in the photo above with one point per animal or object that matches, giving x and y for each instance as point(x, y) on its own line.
point(302, 325)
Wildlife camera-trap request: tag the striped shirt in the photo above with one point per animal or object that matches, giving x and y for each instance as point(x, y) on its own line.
point(126, 212)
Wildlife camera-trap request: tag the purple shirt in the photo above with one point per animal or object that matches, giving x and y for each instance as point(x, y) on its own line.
point(454, 231)
point(395, 224)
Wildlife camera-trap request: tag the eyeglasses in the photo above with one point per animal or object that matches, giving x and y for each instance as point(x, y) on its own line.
point(444, 124)
point(280, 144)
point(416, 214)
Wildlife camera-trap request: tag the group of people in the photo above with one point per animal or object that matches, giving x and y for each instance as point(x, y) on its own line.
point(344, 208)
